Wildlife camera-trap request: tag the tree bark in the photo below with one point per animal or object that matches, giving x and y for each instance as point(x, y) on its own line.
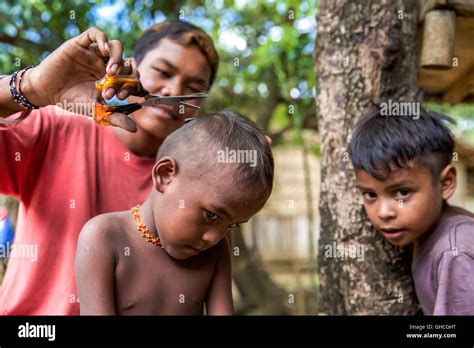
point(366, 51)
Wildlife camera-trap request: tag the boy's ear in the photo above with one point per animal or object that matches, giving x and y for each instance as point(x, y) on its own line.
point(163, 172)
point(448, 181)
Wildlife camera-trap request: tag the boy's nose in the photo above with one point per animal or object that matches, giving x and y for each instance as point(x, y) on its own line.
point(386, 210)
point(212, 237)
point(171, 88)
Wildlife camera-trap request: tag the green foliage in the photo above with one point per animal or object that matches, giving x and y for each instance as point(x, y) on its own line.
point(265, 46)
point(266, 63)
point(30, 30)
point(463, 114)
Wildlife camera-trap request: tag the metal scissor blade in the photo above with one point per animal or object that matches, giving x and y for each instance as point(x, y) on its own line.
point(152, 100)
point(187, 105)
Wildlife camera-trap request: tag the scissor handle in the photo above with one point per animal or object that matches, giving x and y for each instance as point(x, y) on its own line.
point(125, 80)
point(103, 112)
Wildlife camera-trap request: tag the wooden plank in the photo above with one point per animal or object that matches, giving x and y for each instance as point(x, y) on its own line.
point(439, 35)
point(428, 5)
point(460, 89)
point(462, 7)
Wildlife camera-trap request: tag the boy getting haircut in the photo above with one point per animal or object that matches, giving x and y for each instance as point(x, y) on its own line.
point(404, 171)
point(168, 256)
point(173, 57)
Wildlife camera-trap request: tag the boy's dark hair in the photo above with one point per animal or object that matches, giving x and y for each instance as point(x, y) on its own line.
point(182, 32)
point(381, 144)
point(195, 147)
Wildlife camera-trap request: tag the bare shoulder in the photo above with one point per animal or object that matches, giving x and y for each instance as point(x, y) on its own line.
point(224, 246)
point(103, 230)
point(222, 250)
point(212, 256)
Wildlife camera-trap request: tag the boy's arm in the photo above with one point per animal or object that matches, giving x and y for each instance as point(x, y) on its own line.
point(455, 293)
point(95, 268)
point(219, 296)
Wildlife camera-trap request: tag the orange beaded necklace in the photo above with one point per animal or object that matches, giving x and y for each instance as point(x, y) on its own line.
point(143, 229)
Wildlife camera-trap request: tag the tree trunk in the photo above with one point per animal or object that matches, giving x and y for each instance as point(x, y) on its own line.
point(366, 51)
point(260, 295)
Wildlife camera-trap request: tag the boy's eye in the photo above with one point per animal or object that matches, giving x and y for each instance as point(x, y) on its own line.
point(369, 195)
point(193, 89)
point(403, 193)
point(163, 73)
point(211, 216)
point(233, 225)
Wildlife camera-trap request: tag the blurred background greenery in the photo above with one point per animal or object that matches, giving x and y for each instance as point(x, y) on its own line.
point(265, 46)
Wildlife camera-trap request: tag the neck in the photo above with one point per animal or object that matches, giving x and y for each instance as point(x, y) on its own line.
point(146, 215)
point(446, 210)
point(140, 143)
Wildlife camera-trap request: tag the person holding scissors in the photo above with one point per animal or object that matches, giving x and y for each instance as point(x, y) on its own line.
point(65, 168)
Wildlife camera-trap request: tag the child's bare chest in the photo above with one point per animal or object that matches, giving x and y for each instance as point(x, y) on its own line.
point(148, 281)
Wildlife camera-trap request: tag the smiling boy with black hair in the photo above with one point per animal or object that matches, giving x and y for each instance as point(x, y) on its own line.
point(404, 171)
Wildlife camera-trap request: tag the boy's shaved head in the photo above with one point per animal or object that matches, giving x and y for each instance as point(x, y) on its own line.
point(206, 144)
point(381, 144)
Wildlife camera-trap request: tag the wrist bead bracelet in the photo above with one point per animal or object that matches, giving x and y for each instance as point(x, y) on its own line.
point(19, 98)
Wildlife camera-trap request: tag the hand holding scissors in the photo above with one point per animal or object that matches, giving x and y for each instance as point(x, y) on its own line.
point(103, 112)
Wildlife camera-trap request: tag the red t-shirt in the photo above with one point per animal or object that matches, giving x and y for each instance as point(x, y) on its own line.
point(65, 169)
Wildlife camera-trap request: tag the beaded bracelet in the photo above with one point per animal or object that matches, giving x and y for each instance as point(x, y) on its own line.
point(18, 96)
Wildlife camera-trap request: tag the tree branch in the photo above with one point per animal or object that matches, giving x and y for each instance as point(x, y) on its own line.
point(23, 43)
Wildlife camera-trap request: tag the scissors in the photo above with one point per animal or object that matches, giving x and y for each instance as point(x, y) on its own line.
point(102, 112)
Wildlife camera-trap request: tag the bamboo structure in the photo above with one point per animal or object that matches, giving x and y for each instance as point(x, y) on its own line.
point(438, 39)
